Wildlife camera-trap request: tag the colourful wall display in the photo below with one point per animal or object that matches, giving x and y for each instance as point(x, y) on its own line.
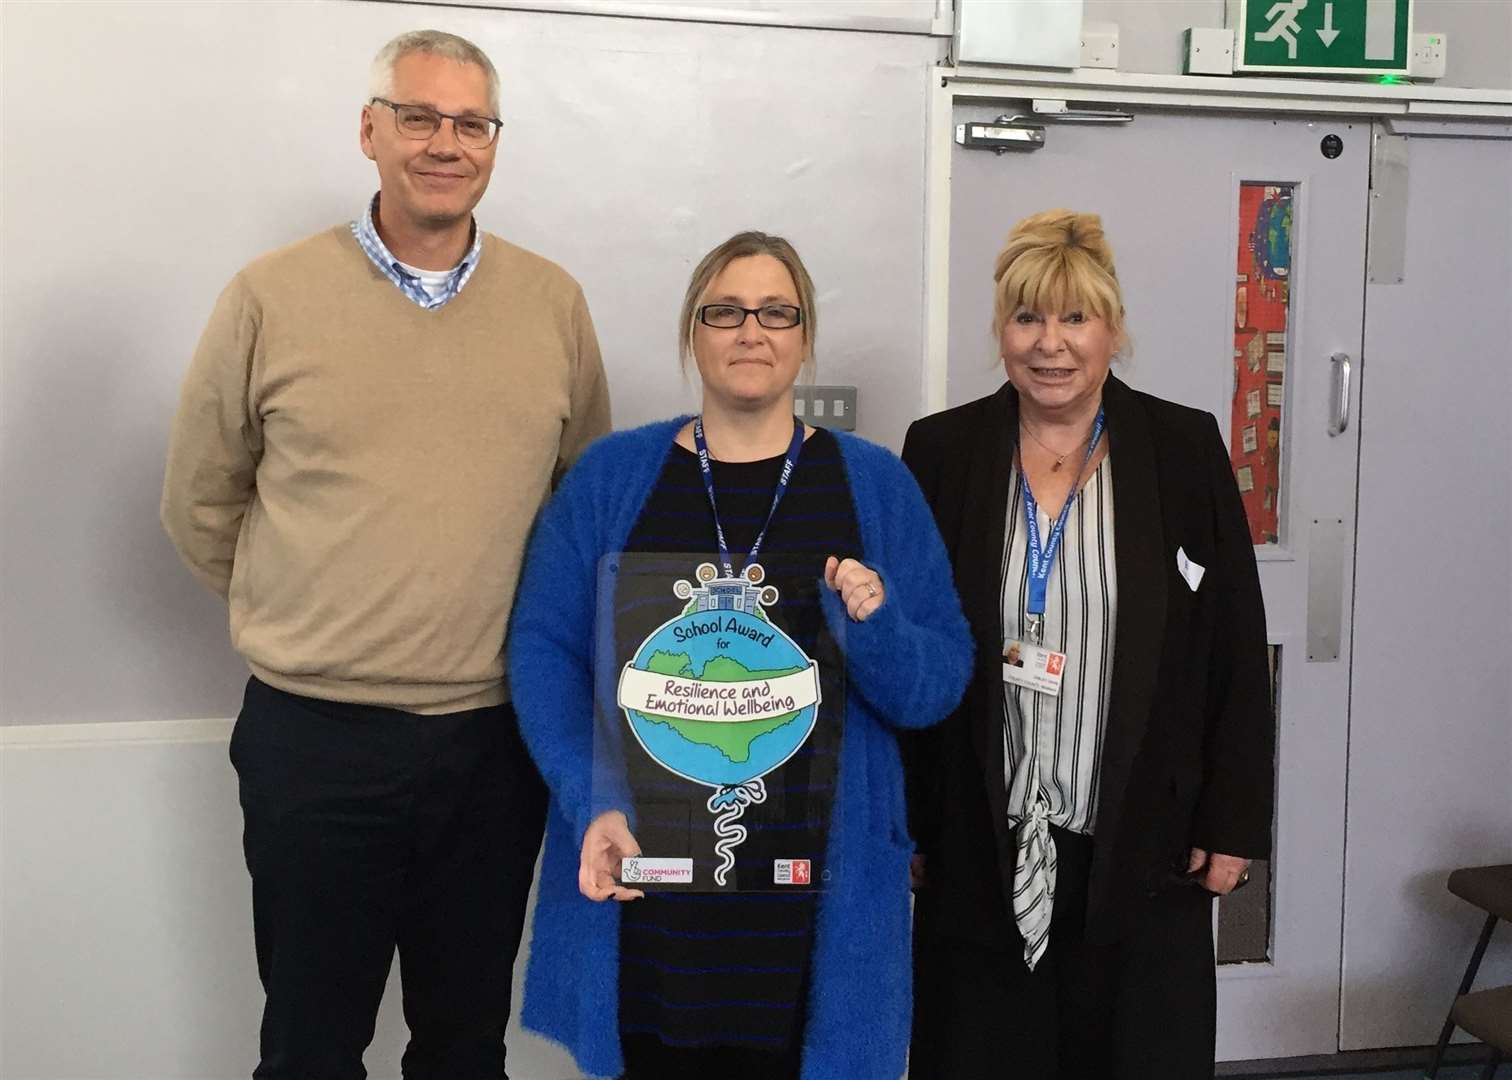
point(1262, 303)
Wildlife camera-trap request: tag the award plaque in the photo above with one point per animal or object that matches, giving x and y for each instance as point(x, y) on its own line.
point(721, 732)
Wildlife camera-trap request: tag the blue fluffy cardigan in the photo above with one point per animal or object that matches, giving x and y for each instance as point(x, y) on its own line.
point(906, 666)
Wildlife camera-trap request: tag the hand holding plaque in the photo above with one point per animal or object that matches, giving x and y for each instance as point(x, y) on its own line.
point(860, 587)
point(606, 844)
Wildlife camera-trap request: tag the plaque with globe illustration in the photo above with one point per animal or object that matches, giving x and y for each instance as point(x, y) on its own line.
point(722, 735)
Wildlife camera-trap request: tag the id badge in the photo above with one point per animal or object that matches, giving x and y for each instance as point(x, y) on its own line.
point(1033, 667)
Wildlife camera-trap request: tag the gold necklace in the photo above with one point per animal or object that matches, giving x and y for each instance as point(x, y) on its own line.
point(1060, 458)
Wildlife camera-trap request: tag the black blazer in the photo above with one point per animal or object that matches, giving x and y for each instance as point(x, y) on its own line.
point(1188, 753)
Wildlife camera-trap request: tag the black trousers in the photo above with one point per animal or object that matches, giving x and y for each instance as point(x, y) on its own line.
point(1141, 1009)
point(369, 829)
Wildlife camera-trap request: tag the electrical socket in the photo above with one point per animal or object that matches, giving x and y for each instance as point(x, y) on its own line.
point(1430, 56)
point(832, 407)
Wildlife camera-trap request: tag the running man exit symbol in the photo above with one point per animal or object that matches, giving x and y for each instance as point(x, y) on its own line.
point(1284, 25)
point(1324, 37)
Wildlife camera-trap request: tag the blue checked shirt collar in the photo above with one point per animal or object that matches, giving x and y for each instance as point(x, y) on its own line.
point(367, 237)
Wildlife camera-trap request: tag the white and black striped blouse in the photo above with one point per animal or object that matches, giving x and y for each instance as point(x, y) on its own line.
point(1053, 745)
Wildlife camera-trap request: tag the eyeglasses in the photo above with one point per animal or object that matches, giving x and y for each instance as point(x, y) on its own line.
point(420, 122)
point(771, 316)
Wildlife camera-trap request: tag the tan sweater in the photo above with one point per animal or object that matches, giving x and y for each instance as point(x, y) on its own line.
point(358, 476)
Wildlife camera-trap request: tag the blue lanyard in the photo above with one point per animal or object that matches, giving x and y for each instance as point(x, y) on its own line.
point(1042, 558)
point(788, 463)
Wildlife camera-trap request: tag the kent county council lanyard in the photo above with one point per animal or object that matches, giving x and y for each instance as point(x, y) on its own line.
point(788, 463)
point(1041, 559)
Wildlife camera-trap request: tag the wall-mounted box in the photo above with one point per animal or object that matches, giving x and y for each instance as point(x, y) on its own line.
point(1430, 56)
point(1099, 46)
point(1023, 33)
point(1207, 51)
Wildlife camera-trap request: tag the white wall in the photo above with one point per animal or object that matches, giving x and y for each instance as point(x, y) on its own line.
point(126, 918)
point(892, 16)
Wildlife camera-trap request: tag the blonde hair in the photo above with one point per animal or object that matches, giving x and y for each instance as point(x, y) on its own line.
point(434, 43)
point(742, 246)
point(1058, 260)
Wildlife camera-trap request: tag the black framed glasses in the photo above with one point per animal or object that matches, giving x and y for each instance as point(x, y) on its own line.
point(421, 122)
point(771, 316)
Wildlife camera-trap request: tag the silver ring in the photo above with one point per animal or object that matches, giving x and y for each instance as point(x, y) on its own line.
point(871, 590)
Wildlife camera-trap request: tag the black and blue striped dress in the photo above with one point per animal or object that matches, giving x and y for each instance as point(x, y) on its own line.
point(704, 966)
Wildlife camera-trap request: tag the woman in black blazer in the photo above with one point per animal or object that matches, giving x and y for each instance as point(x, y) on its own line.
point(1077, 814)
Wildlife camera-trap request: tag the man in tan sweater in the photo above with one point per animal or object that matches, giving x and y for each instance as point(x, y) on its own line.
point(369, 425)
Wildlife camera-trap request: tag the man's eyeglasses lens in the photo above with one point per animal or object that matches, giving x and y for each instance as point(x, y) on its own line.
point(418, 122)
point(729, 316)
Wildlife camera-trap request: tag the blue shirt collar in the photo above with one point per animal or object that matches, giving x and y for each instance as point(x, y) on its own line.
point(368, 239)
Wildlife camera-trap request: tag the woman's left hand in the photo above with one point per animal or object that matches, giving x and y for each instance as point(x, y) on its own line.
point(1216, 872)
point(859, 586)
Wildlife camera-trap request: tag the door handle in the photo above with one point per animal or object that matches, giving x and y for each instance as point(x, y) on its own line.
point(1338, 419)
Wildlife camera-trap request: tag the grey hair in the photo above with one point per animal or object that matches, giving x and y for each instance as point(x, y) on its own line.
point(436, 43)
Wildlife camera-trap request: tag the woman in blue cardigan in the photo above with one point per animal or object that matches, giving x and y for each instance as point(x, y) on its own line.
point(778, 943)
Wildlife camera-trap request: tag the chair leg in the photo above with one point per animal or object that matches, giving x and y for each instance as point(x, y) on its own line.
point(1490, 1070)
point(1465, 984)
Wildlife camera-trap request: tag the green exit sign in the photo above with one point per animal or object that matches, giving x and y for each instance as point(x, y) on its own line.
point(1322, 37)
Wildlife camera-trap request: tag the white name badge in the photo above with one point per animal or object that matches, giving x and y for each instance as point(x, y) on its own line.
point(1033, 668)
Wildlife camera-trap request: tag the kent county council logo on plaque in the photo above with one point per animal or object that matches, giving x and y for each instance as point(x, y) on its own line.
point(721, 696)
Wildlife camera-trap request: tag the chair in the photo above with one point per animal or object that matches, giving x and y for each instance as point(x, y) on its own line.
point(1486, 1015)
